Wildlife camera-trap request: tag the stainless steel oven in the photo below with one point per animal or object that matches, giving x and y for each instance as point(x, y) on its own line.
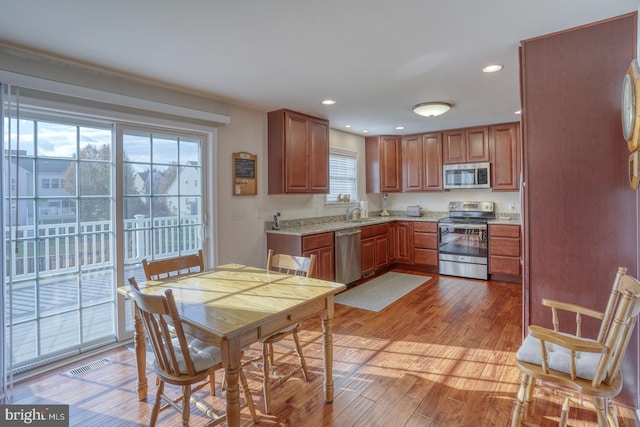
point(463, 240)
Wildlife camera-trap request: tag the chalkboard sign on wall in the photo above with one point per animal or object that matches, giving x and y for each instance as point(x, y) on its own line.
point(245, 174)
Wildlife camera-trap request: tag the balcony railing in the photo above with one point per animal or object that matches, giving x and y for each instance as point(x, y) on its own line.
point(68, 247)
point(45, 292)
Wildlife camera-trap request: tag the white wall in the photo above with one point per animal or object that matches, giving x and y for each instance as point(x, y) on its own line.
point(243, 239)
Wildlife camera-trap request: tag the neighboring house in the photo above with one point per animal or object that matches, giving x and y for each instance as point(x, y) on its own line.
point(53, 203)
point(188, 184)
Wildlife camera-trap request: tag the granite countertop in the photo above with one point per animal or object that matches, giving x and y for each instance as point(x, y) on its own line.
point(306, 226)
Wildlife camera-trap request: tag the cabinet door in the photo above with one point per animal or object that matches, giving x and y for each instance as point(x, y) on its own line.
point(404, 247)
point(296, 153)
point(381, 252)
point(422, 162)
point(319, 152)
point(324, 268)
point(454, 147)
point(432, 147)
point(393, 241)
point(504, 143)
point(368, 255)
point(413, 163)
point(391, 164)
point(477, 140)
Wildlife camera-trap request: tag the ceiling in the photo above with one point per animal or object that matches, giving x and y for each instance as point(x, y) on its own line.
point(375, 58)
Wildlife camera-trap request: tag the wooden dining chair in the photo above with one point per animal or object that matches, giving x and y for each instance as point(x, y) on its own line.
point(183, 357)
point(580, 370)
point(293, 265)
point(178, 266)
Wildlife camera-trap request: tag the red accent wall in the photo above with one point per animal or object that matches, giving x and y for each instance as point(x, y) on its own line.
point(580, 215)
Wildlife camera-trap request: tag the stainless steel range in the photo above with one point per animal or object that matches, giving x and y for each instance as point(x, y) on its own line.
point(463, 242)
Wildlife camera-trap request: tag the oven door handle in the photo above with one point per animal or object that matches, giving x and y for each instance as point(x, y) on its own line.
point(464, 226)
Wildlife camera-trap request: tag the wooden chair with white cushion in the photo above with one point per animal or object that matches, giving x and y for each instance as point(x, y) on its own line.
point(163, 269)
point(294, 265)
point(580, 370)
point(178, 266)
point(182, 357)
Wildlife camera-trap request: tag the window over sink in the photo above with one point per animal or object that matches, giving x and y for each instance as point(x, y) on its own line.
point(343, 176)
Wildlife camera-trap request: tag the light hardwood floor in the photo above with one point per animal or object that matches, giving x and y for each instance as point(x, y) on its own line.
point(441, 356)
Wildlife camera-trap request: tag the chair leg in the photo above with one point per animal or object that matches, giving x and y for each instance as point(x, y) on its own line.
point(564, 413)
point(156, 405)
point(612, 414)
point(270, 353)
point(212, 384)
point(303, 363)
point(266, 381)
point(521, 400)
point(247, 396)
point(601, 410)
point(186, 405)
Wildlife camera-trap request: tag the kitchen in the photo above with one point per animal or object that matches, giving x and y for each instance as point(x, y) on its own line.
point(295, 236)
point(601, 200)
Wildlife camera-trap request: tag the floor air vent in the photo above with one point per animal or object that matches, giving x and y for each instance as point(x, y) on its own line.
point(88, 367)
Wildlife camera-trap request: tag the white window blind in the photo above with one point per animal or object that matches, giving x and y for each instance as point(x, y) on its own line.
point(343, 175)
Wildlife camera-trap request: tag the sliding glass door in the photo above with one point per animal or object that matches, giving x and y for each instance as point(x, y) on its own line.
point(85, 199)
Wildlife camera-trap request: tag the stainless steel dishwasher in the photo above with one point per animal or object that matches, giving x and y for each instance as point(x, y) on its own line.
point(347, 255)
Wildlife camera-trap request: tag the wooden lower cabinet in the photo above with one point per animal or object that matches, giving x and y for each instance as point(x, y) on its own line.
point(425, 244)
point(504, 250)
point(374, 248)
point(320, 244)
point(403, 244)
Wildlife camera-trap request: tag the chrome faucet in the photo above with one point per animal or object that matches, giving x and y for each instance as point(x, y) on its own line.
point(350, 212)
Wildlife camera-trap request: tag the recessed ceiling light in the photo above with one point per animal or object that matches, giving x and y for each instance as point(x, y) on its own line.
point(518, 112)
point(492, 68)
point(347, 126)
point(399, 127)
point(365, 131)
point(431, 109)
point(328, 102)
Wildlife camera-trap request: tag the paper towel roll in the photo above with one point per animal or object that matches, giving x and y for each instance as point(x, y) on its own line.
point(364, 209)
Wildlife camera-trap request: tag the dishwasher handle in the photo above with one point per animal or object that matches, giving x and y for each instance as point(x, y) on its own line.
point(348, 232)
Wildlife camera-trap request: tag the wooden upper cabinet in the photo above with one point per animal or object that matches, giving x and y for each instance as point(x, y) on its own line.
point(422, 162)
point(504, 143)
point(384, 163)
point(298, 158)
point(466, 145)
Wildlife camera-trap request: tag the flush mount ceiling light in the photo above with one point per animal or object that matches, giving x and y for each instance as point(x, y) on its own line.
point(328, 102)
point(431, 109)
point(492, 68)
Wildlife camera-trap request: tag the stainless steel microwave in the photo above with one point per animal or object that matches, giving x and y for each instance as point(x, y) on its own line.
point(467, 175)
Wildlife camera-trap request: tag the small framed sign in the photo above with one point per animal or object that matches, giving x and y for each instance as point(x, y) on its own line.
point(245, 174)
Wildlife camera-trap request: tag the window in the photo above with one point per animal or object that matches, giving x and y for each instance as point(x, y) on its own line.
point(343, 175)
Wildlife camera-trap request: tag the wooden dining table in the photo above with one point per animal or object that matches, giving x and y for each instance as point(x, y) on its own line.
point(237, 305)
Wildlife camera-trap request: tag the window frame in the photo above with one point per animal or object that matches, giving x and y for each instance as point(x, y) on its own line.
point(348, 154)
